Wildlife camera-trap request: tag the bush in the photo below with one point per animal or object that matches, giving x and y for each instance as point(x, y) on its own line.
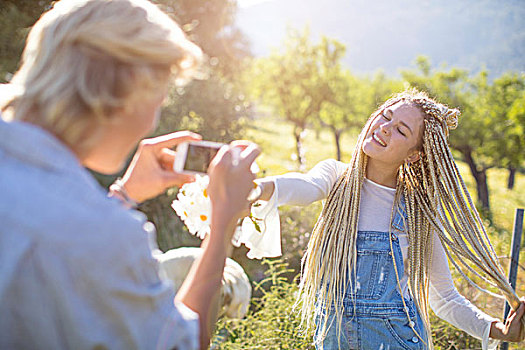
point(271, 322)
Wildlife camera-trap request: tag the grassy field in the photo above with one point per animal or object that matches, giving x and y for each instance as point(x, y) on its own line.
point(278, 145)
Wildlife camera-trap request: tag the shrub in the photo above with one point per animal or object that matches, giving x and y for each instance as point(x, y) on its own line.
point(271, 323)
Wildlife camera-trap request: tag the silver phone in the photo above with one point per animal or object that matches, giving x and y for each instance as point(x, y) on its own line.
point(195, 157)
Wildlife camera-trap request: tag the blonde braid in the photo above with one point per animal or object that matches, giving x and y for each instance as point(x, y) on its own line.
point(436, 199)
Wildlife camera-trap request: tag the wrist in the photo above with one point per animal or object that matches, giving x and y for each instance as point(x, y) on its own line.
point(117, 190)
point(497, 331)
point(267, 189)
point(222, 226)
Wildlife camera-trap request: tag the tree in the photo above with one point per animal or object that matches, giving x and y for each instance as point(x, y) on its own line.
point(453, 88)
point(339, 111)
point(211, 25)
point(485, 137)
point(505, 95)
point(17, 17)
point(354, 100)
point(292, 83)
point(517, 117)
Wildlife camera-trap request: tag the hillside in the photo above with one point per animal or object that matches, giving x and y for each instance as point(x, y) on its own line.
point(388, 35)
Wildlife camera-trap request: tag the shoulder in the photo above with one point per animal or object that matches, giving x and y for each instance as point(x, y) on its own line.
point(330, 167)
point(65, 211)
point(328, 171)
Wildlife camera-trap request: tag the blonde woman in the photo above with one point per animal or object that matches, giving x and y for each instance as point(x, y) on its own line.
point(77, 266)
point(378, 254)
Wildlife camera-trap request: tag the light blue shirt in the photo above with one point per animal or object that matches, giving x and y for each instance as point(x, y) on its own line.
point(77, 270)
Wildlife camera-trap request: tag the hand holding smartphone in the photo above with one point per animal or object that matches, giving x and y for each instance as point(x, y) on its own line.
point(194, 157)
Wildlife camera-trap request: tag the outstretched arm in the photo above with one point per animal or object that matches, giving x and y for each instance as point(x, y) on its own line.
point(303, 189)
point(454, 308)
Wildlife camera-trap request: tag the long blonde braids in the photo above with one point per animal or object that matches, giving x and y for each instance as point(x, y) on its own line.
point(436, 199)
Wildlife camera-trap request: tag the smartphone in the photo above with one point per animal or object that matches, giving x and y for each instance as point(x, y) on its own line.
point(195, 157)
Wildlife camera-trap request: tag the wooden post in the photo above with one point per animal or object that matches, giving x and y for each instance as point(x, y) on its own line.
point(514, 260)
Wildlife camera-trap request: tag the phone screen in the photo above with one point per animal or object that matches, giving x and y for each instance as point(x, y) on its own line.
point(198, 157)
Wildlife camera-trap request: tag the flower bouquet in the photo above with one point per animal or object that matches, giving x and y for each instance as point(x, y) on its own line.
point(193, 206)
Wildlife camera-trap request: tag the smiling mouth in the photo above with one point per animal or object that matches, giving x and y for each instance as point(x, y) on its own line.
point(378, 140)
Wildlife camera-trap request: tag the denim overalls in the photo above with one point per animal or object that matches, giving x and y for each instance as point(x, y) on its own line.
point(378, 320)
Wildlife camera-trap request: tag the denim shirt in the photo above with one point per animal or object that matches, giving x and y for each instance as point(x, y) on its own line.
point(77, 267)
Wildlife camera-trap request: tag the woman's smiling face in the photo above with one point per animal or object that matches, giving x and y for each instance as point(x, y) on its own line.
point(395, 134)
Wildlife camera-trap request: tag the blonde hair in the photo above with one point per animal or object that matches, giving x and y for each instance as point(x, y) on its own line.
point(86, 59)
point(436, 198)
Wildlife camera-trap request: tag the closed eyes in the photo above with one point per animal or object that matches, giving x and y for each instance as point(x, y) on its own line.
point(388, 119)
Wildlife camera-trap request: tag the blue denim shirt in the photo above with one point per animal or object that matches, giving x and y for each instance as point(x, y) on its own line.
point(77, 269)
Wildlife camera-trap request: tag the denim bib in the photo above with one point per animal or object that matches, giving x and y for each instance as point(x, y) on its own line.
point(374, 316)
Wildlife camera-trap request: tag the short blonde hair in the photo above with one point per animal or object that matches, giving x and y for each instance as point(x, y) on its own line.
point(86, 59)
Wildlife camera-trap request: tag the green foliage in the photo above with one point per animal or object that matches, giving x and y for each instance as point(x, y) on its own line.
point(489, 133)
point(210, 24)
point(507, 144)
point(293, 82)
point(213, 107)
point(447, 337)
point(271, 322)
point(16, 18)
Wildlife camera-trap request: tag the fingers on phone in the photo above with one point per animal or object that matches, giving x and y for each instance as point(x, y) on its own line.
point(166, 158)
point(237, 153)
point(242, 144)
point(173, 139)
point(176, 179)
point(249, 152)
point(222, 156)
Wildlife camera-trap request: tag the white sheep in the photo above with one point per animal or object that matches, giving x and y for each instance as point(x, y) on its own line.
point(236, 289)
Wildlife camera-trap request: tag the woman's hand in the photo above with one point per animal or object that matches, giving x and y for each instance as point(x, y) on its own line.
point(151, 170)
point(231, 180)
point(511, 330)
point(267, 189)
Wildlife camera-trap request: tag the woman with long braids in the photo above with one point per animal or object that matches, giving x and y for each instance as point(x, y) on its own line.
point(377, 257)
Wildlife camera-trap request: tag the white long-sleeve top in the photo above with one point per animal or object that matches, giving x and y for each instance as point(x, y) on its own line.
point(375, 208)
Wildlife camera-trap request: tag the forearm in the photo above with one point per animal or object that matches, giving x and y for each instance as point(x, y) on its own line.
point(201, 288)
point(303, 189)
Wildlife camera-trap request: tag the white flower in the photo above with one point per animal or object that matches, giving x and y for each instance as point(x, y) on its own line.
point(193, 206)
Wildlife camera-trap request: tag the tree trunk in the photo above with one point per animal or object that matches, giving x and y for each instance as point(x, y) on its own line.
point(299, 147)
point(481, 180)
point(512, 177)
point(337, 139)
